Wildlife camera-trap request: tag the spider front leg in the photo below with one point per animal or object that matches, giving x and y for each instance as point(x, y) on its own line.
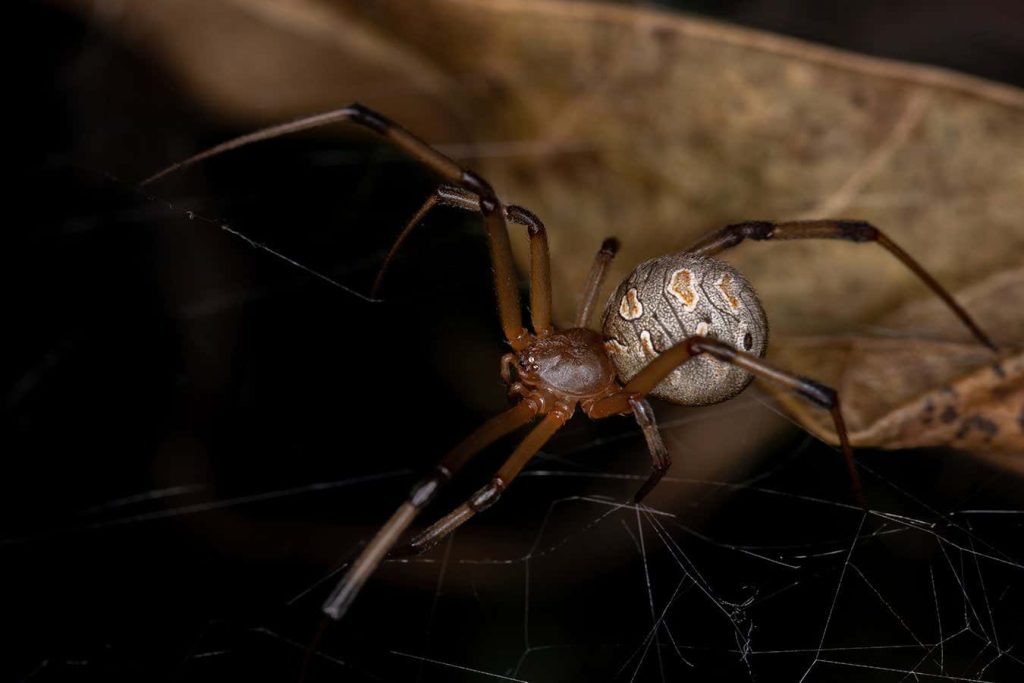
point(505, 278)
point(659, 368)
point(540, 262)
point(489, 494)
point(420, 495)
point(850, 230)
point(595, 279)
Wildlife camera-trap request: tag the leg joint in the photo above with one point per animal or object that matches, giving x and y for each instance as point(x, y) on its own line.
point(610, 247)
point(712, 347)
point(474, 183)
point(369, 118)
point(425, 489)
point(487, 496)
point(642, 411)
point(755, 230)
point(534, 226)
point(818, 393)
point(857, 231)
point(451, 195)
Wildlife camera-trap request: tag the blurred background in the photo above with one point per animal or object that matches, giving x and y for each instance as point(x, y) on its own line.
point(197, 431)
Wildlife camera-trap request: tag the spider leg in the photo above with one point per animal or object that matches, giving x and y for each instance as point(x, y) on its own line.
point(505, 278)
point(421, 494)
point(421, 213)
point(660, 459)
point(540, 269)
point(660, 367)
point(489, 494)
point(853, 231)
point(540, 263)
point(594, 280)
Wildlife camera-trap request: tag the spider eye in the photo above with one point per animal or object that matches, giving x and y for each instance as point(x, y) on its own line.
point(748, 341)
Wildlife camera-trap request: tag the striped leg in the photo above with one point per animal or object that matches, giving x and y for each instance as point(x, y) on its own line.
point(853, 231)
point(505, 278)
point(540, 263)
point(595, 279)
point(659, 368)
point(422, 493)
point(489, 494)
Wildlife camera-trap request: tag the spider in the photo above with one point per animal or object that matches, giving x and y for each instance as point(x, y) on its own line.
point(685, 327)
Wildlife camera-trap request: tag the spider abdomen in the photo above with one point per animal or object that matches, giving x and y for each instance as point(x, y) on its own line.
point(667, 299)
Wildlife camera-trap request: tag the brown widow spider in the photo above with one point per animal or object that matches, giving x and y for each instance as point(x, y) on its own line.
point(684, 327)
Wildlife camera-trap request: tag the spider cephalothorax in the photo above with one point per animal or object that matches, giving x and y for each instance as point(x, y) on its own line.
point(567, 366)
point(684, 327)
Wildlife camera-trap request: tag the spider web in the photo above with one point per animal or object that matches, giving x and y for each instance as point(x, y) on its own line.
point(751, 579)
point(206, 425)
point(850, 618)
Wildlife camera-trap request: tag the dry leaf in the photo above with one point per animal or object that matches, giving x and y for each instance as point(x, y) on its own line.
point(915, 390)
point(657, 128)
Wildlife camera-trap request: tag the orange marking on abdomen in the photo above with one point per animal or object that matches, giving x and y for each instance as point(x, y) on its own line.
point(725, 287)
point(613, 346)
point(681, 286)
point(630, 307)
point(648, 343)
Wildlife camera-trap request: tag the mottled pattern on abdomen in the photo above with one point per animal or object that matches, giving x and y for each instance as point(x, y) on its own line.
point(668, 299)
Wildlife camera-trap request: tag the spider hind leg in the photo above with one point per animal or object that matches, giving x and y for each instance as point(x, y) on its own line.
point(666, 362)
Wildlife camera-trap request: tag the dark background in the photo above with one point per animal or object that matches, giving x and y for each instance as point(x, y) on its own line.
point(152, 353)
